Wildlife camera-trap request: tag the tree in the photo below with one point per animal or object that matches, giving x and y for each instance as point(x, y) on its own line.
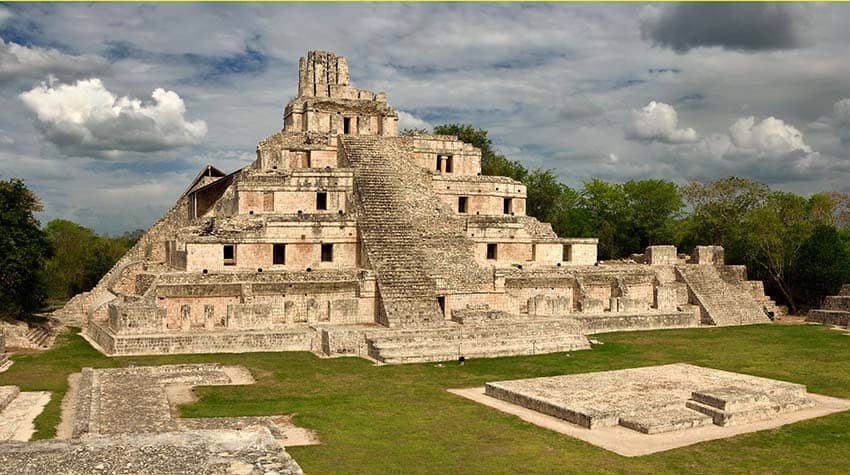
point(81, 257)
point(492, 163)
point(719, 206)
point(823, 265)
point(25, 247)
point(654, 207)
point(608, 213)
point(770, 238)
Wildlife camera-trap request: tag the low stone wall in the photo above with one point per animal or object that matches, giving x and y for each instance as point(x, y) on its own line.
point(829, 317)
point(83, 412)
point(343, 342)
point(293, 339)
point(612, 322)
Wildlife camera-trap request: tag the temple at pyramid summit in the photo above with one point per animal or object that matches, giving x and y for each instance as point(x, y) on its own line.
point(345, 239)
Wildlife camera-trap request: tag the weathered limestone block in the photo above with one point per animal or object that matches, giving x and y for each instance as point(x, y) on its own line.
point(712, 255)
point(209, 317)
point(591, 305)
point(185, 317)
point(666, 296)
point(660, 255)
point(550, 306)
point(136, 318)
point(253, 316)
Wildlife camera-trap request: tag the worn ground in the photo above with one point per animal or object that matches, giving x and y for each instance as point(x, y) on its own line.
point(391, 419)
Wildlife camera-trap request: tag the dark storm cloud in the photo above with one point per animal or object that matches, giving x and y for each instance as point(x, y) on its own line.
point(743, 27)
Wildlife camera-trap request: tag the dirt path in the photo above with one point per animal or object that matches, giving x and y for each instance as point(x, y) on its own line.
point(69, 408)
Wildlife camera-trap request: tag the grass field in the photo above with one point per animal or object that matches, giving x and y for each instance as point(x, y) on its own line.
point(400, 419)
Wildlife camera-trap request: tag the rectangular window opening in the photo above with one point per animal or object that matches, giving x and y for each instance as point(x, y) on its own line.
point(567, 253)
point(321, 200)
point(229, 255)
point(441, 301)
point(327, 252)
point(449, 164)
point(439, 163)
point(491, 251)
point(279, 254)
point(346, 125)
point(506, 206)
point(461, 204)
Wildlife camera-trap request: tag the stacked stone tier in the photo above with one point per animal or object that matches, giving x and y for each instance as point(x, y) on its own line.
point(721, 303)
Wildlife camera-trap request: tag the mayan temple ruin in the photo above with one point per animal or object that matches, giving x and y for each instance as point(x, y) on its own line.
point(344, 238)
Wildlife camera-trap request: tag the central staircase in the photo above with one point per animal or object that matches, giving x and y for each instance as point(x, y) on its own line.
point(388, 229)
point(721, 303)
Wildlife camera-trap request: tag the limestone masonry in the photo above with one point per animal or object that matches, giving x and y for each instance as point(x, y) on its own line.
point(836, 309)
point(344, 238)
point(639, 411)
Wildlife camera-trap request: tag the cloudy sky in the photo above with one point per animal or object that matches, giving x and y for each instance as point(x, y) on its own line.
point(109, 110)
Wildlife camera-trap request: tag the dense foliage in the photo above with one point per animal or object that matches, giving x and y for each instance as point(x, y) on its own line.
point(47, 266)
point(81, 257)
point(24, 249)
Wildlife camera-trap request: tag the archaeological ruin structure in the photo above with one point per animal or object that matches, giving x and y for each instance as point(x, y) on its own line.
point(345, 238)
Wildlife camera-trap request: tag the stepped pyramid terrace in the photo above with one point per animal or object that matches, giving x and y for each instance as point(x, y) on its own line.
point(344, 238)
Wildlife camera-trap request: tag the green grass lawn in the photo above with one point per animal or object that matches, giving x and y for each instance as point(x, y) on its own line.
point(400, 419)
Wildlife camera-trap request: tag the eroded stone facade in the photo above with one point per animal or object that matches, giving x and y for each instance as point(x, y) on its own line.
point(344, 238)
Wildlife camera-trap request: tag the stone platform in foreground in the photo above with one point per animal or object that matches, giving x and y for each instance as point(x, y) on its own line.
point(126, 420)
point(645, 410)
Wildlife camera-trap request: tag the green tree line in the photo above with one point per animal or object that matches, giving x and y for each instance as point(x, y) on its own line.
point(41, 268)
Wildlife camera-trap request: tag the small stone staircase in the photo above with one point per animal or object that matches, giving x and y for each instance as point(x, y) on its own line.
point(732, 405)
point(39, 337)
point(496, 338)
point(835, 311)
point(720, 302)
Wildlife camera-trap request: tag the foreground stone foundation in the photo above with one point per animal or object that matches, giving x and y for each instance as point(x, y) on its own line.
point(644, 410)
point(126, 420)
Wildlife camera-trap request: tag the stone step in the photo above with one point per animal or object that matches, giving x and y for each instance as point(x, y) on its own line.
point(667, 420)
point(723, 303)
point(751, 413)
point(495, 329)
point(830, 317)
point(477, 348)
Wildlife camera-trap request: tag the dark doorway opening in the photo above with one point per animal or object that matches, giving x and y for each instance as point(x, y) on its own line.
point(327, 252)
point(279, 254)
point(229, 255)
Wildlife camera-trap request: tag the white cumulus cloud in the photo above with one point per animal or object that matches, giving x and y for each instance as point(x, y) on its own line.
point(22, 62)
point(659, 122)
point(86, 119)
point(407, 120)
point(770, 137)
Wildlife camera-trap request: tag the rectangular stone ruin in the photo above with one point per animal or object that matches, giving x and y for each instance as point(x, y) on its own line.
point(644, 410)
